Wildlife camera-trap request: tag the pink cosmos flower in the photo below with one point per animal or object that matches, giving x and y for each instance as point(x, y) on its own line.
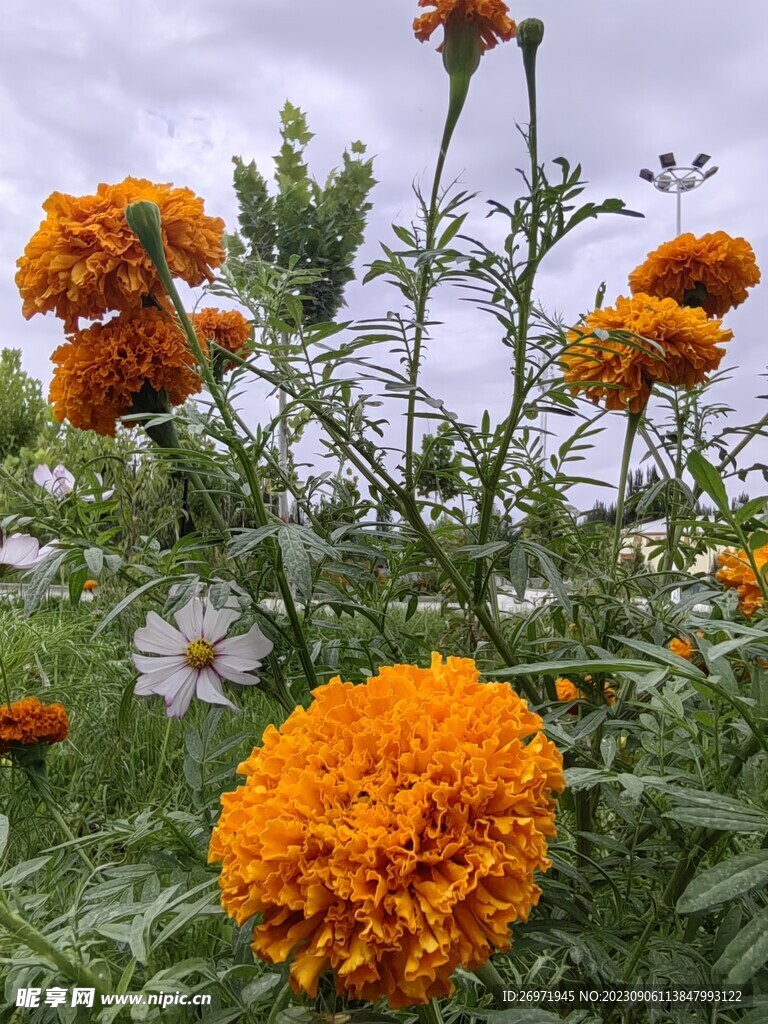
point(194, 659)
point(60, 483)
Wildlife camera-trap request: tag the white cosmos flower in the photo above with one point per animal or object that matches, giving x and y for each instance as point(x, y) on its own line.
point(20, 551)
point(60, 483)
point(193, 659)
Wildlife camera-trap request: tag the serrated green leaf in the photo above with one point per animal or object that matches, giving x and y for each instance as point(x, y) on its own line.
point(182, 595)
point(262, 988)
point(94, 559)
point(40, 581)
point(296, 561)
point(747, 953)
point(614, 666)
point(726, 881)
point(608, 750)
point(709, 480)
point(219, 593)
point(518, 571)
point(587, 778)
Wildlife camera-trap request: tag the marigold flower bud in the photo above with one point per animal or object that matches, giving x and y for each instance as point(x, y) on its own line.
point(530, 33)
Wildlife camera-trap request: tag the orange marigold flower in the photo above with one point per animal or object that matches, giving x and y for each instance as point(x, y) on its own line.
point(492, 16)
point(84, 260)
point(566, 690)
point(99, 371)
point(391, 831)
point(90, 585)
point(736, 572)
point(623, 374)
point(229, 330)
point(28, 721)
point(681, 647)
point(722, 266)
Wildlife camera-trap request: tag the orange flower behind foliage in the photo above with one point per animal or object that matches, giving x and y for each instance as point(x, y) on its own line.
point(724, 266)
point(567, 691)
point(736, 573)
point(84, 260)
point(99, 371)
point(623, 374)
point(492, 15)
point(391, 831)
point(28, 721)
point(681, 647)
point(229, 330)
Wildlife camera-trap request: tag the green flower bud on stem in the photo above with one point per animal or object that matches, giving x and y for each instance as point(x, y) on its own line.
point(530, 34)
point(143, 218)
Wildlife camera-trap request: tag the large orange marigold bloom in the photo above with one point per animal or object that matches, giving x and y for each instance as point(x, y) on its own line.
point(28, 721)
point(736, 572)
point(724, 266)
point(623, 374)
point(492, 15)
point(229, 330)
point(391, 831)
point(84, 260)
point(99, 371)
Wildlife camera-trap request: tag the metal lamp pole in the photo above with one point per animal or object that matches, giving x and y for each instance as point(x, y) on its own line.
point(675, 179)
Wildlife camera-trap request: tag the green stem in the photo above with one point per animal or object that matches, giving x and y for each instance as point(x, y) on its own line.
point(36, 773)
point(640, 945)
point(30, 937)
point(492, 980)
point(633, 421)
point(282, 1000)
point(459, 88)
point(151, 239)
point(429, 1013)
point(376, 475)
point(524, 311)
point(160, 763)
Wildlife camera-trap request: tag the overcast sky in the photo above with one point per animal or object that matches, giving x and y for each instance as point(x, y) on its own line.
point(94, 90)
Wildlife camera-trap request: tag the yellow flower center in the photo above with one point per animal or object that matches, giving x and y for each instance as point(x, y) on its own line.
point(200, 653)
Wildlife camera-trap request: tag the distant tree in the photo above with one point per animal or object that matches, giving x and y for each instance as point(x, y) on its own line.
point(304, 226)
point(22, 406)
point(317, 227)
point(638, 507)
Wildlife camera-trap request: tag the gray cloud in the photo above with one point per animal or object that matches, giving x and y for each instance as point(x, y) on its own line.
point(93, 91)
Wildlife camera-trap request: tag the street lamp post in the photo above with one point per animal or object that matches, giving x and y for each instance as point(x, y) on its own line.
point(675, 179)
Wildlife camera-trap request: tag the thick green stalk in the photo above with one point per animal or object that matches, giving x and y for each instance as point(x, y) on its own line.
point(429, 1013)
point(492, 980)
point(459, 87)
point(30, 937)
point(490, 486)
point(633, 421)
point(160, 763)
point(144, 219)
point(376, 475)
point(37, 775)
